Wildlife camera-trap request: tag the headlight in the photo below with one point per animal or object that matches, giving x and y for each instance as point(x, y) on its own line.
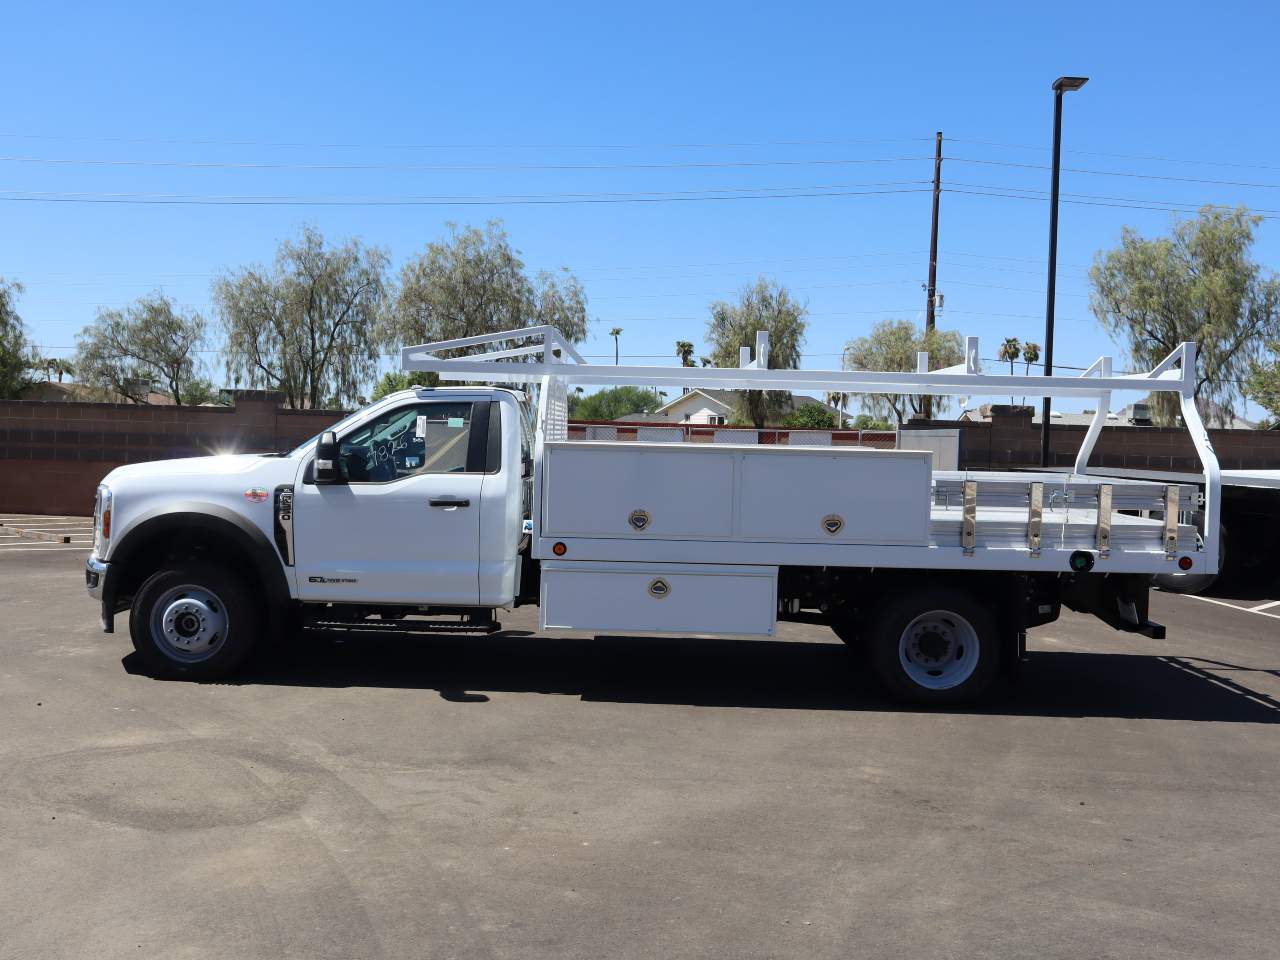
point(101, 520)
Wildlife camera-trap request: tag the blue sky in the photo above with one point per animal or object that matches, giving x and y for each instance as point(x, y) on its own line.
point(546, 101)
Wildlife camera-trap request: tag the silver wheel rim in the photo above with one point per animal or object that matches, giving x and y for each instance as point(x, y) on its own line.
point(189, 623)
point(939, 650)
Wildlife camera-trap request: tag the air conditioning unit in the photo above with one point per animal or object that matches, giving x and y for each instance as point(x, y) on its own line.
point(1140, 415)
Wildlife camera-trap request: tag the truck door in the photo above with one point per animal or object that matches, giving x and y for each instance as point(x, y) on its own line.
point(405, 526)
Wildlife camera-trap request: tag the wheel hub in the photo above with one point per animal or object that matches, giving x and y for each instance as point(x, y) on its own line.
point(932, 645)
point(939, 650)
point(189, 623)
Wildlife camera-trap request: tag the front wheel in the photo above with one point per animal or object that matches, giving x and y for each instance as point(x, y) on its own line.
point(934, 645)
point(194, 622)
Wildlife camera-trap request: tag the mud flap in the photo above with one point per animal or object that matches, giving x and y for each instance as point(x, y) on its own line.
point(1118, 600)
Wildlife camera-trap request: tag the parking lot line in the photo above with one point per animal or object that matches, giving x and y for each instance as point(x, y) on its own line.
point(1231, 606)
point(1265, 606)
point(32, 546)
point(40, 522)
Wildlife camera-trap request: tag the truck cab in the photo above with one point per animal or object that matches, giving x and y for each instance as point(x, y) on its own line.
point(416, 503)
point(424, 503)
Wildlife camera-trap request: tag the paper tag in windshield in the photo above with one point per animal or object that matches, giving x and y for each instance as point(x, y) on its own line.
point(456, 423)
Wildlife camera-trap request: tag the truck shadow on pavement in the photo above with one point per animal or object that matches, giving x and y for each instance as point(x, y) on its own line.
point(768, 674)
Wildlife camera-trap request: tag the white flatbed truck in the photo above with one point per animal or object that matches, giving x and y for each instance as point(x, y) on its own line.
point(436, 508)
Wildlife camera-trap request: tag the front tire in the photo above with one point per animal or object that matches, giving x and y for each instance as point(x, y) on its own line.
point(934, 645)
point(194, 622)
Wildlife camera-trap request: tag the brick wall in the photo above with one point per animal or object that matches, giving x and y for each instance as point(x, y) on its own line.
point(53, 453)
point(1010, 439)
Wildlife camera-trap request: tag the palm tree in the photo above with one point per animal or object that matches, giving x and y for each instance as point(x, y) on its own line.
point(1030, 354)
point(1010, 350)
point(684, 350)
point(840, 401)
point(616, 332)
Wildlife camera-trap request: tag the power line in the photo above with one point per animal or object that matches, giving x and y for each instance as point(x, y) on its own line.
point(465, 146)
point(551, 199)
point(1121, 156)
point(1039, 194)
point(1117, 173)
point(1094, 203)
point(485, 167)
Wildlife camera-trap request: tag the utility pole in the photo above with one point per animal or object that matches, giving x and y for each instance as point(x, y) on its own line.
point(930, 318)
point(1060, 86)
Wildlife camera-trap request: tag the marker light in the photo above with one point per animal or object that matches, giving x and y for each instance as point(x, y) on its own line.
point(1081, 561)
point(559, 549)
point(1184, 563)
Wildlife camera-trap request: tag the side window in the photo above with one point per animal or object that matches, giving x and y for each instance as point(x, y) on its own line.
point(390, 446)
point(526, 431)
point(493, 456)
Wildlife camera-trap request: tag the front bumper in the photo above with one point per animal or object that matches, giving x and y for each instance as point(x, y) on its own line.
point(98, 581)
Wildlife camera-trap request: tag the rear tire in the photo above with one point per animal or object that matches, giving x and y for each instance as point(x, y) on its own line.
point(195, 622)
point(934, 645)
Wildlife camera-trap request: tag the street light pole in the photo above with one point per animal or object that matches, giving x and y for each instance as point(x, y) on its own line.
point(1060, 86)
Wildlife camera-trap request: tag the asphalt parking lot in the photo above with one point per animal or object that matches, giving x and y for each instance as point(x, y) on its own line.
point(529, 797)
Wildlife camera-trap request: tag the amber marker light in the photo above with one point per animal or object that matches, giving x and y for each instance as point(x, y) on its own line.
point(559, 549)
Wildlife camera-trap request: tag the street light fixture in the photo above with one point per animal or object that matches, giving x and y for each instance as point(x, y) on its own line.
point(1060, 86)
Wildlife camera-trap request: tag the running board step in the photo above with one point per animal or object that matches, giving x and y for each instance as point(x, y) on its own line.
point(405, 625)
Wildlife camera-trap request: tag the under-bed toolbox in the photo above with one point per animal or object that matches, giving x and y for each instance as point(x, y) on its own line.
point(684, 598)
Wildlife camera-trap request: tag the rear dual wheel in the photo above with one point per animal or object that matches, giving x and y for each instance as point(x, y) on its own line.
point(934, 645)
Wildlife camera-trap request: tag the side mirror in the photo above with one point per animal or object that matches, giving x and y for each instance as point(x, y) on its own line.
point(326, 470)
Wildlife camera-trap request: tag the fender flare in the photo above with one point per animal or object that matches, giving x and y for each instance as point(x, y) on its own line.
point(267, 565)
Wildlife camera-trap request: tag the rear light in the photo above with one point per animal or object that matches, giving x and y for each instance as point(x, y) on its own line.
point(1184, 563)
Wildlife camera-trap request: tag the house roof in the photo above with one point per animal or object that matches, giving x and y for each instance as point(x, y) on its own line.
point(721, 398)
point(728, 399)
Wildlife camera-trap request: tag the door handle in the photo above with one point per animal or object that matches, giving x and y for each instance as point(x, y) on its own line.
point(449, 502)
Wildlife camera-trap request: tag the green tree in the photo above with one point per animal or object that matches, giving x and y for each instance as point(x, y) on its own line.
point(810, 416)
point(864, 421)
point(615, 403)
point(202, 391)
point(764, 306)
point(17, 355)
point(1263, 384)
point(1199, 284)
point(684, 350)
point(150, 343)
point(1030, 355)
point(1010, 350)
point(472, 283)
point(838, 400)
point(892, 346)
point(393, 381)
point(307, 326)
point(56, 367)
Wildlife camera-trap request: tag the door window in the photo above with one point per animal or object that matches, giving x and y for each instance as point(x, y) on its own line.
point(420, 438)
